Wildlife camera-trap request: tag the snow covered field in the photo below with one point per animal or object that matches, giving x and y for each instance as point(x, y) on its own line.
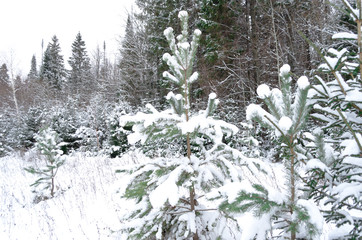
point(84, 206)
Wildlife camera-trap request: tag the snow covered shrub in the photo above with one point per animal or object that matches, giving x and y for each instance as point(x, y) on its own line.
point(32, 121)
point(335, 173)
point(92, 133)
point(167, 194)
point(281, 207)
point(87, 139)
point(116, 142)
point(3, 134)
point(10, 126)
point(48, 143)
point(64, 119)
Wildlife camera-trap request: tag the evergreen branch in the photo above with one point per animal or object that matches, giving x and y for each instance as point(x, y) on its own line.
point(177, 213)
point(350, 128)
point(277, 127)
point(322, 84)
point(177, 206)
point(347, 5)
point(208, 209)
point(331, 197)
point(325, 60)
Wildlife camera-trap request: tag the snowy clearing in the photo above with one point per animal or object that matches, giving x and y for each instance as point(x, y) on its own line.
point(84, 206)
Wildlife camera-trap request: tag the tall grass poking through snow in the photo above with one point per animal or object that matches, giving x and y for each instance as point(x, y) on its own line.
point(83, 207)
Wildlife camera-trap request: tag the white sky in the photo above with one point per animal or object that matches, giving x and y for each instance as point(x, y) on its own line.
point(24, 23)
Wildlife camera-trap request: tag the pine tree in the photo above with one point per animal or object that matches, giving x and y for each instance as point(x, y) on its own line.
point(168, 193)
point(80, 74)
point(335, 173)
point(52, 69)
point(286, 209)
point(49, 145)
point(33, 73)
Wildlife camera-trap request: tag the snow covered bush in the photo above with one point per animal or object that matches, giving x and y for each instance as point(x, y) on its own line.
point(167, 193)
point(281, 208)
point(10, 130)
point(92, 133)
point(64, 120)
point(48, 143)
point(335, 174)
point(116, 142)
point(31, 123)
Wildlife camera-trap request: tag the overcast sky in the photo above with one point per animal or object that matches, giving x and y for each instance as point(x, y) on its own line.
point(24, 23)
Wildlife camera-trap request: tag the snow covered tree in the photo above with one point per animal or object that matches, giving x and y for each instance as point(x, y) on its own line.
point(64, 120)
point(168, 193)
point(4, 88)
point(80, 73)
point(4, 75)
point(116, 143)
point(139, 82)
point(283, 206)
point(133, 85)
point(48, 143)
point(31, 123)
point(335, 174)
point(52, 70)
point(33, 73)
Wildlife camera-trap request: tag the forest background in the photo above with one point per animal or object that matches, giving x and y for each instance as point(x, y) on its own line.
point(243, 44)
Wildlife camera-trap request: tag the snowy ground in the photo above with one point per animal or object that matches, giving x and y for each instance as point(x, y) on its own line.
point(85, 206)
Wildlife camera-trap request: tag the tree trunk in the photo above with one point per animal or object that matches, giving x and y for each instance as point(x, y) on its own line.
point(254, 44)
point(292, 187)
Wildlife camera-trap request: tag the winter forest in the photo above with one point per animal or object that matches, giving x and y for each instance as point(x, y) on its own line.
point(221, 119)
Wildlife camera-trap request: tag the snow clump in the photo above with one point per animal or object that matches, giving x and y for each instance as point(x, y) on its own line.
point(263, 91)
point(285, 123)
point(197, 32)
point(212, 95)
point(285, 69)
point(168, 31)
point(303, 82)
point(182, 14)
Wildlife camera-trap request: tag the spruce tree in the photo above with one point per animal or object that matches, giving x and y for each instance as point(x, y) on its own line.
point(80, 74)
point(52, 69)
point(48, 143)
point(168, 194)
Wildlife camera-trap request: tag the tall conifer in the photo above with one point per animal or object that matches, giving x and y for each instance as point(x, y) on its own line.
point(52, 70)
point(33, 73)
point(80, 74)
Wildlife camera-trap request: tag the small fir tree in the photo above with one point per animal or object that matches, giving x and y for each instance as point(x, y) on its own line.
point(49, 146)
point(168, 193)
point(289, 212)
